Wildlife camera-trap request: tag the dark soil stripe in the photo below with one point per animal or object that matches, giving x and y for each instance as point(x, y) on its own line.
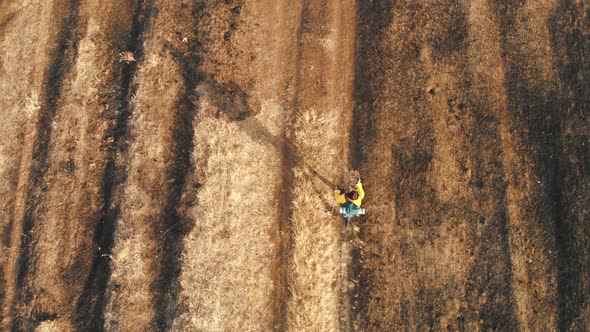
point(174, 225)
point(91, 305)
point(2, 291)
point(284, 231)
point(372, 20)
point(534, 120)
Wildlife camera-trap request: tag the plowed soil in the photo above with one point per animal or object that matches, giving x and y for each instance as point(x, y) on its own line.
point(169, 165)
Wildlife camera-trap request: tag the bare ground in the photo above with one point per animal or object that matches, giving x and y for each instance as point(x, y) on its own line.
point(169, 165)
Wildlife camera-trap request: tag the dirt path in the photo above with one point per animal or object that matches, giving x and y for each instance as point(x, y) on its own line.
point(322, 107)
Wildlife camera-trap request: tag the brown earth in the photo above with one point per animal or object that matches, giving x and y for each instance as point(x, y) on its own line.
point(169, 165)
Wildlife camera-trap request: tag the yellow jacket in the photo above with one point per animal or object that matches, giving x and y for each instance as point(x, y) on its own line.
point(341, 197)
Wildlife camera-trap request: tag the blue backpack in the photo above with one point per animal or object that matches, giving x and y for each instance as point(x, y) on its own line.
point(350, 210)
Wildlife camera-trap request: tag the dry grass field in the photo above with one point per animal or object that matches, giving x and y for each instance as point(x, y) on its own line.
point(169, 165)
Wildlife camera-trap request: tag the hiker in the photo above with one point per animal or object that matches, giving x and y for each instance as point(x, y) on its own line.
point(350, 203)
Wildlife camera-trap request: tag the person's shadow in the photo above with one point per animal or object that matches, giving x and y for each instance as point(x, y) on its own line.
point(231, 105)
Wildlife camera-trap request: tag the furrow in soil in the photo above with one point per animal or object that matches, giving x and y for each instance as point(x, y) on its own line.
point(41, 103)
point(393, 148)
point(141, 270)
point(116, 61)
point(487, 70)
point(71, 203)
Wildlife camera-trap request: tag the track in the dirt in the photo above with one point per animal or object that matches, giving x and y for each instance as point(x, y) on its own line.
point(62, 57)
point(168, 166)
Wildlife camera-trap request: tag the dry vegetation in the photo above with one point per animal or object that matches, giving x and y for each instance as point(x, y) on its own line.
point(237, 175)
point(169, 165)
point(234, 213)
point(315, 269)
point(157, 111)
point(64, 254)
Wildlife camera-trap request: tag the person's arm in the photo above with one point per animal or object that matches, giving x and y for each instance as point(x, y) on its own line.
point(339, 197)
point(361, 191)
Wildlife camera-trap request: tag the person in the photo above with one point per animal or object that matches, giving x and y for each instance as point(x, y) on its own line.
point(350, 202)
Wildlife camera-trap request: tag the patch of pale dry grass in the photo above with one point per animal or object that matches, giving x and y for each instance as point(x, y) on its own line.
point(55, 326)
point(126, 57)
point(10, 147)
point(31, 105)
point(315, 265)
point(226, 279)
point(20, 64)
